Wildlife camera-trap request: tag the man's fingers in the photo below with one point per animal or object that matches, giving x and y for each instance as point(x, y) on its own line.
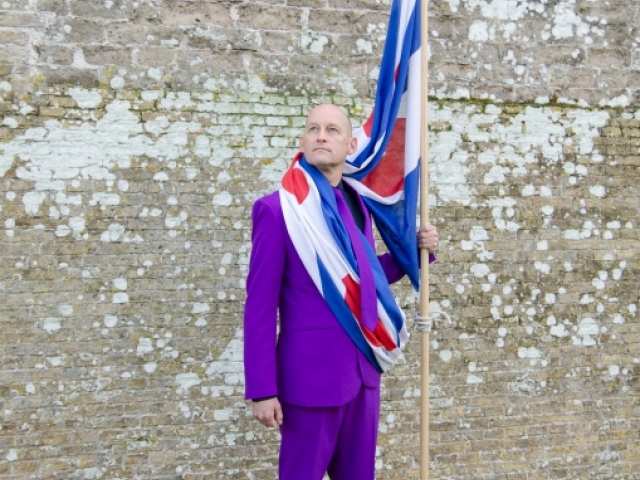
point(268, 412)
point(266, 418)
point(428, 237)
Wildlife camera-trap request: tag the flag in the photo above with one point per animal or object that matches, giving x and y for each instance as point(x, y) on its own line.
point(384, 170)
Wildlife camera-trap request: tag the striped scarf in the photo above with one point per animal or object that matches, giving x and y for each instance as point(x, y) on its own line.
point(322, 241)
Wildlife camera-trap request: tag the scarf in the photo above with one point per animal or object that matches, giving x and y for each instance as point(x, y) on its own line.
point(321, 239)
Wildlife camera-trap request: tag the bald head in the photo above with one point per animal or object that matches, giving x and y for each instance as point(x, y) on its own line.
point(328, 140)
point(327, 110)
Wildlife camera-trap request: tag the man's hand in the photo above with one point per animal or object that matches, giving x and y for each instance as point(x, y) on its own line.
point(268, 412)
point(428, 237)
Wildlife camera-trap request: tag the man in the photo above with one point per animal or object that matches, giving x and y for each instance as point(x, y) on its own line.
point(312, 379)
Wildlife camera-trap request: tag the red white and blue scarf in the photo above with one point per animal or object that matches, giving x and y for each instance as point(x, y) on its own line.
point(321, 239)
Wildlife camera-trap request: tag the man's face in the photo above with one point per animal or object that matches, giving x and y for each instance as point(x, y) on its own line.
point(327, 138)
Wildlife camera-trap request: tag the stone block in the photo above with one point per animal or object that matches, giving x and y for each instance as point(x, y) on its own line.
point(157, 57)
point(307, 3)
point(207, 61)
point(225, 39)
point(609, 58)
point(100, 55)
point(13, 54)
point(178, 12)
point(81, 30)
point(126, 34)
point(116, 10)
point(61, 9)
point(56, 55)
point(614, 80)
point(15, 19)
point(344, 21)
point(13, 36)
point(5, 69)
point(584, 78)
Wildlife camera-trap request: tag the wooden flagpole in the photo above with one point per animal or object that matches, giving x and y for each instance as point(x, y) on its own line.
point(424, 254)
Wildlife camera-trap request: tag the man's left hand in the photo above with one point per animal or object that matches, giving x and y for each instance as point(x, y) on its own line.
point(428, 237)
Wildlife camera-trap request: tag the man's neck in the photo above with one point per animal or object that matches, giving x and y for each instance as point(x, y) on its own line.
point(333, 175)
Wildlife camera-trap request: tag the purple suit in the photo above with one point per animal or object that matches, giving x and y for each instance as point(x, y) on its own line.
point(315, 363)
point(312, 362)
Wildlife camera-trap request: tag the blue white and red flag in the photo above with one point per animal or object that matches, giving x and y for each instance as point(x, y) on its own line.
point(384, 170)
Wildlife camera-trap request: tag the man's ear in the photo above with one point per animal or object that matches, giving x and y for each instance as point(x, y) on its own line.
point(353, 145)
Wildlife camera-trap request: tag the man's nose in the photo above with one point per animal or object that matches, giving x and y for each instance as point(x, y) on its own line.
point(322, 135)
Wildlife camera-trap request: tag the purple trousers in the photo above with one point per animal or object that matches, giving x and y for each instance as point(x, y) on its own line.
point(338, 440)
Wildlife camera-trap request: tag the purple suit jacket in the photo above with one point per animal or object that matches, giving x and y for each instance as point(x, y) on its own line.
point(312, 361)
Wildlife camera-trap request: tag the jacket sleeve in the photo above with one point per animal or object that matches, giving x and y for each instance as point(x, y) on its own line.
point(266, 270)
point(392, 270)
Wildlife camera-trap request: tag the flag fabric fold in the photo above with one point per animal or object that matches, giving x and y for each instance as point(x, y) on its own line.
point(384, 170)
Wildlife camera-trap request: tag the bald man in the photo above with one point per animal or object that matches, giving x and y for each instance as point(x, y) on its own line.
point(311, 379)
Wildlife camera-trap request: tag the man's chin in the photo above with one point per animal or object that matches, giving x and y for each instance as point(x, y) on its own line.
point(320, 160)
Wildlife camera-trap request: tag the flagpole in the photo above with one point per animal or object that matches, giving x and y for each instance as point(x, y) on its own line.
point(424, 253)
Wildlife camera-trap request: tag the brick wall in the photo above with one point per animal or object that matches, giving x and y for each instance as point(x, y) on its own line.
point(135, 137)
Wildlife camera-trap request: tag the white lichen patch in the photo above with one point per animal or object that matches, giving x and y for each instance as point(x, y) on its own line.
point(529, 352)
point(511, 150)
point(227, 373)
point(586, 330)
point(312, 43)
point(51, 324)
point(145, 346)
point(118, 233)
point(222, 199)
point(507, 17)
point(86, 98)
point(445, 355)
point(150, 367)
point(55, 155)
point(110, 321)
point(474, 379)
point(120, 297)
point(185, 381)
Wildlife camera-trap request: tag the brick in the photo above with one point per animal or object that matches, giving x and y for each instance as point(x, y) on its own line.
point(609, 58)
point(118, 9)
point(19, 19)
point(621, 79)
point(13, 36)
point(5, 69)
point(59, 8)
point(83, 31)
point(126, 34)
point(176, 12)
point(225, 39)
point(343, 21)
point(154, 57)
point(56, 55)
point(107, 56)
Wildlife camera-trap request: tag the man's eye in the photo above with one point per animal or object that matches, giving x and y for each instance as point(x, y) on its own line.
point(313, 129)
point(333, 129)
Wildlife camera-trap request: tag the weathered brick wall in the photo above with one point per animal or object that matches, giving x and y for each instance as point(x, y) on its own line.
point(134, 138)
